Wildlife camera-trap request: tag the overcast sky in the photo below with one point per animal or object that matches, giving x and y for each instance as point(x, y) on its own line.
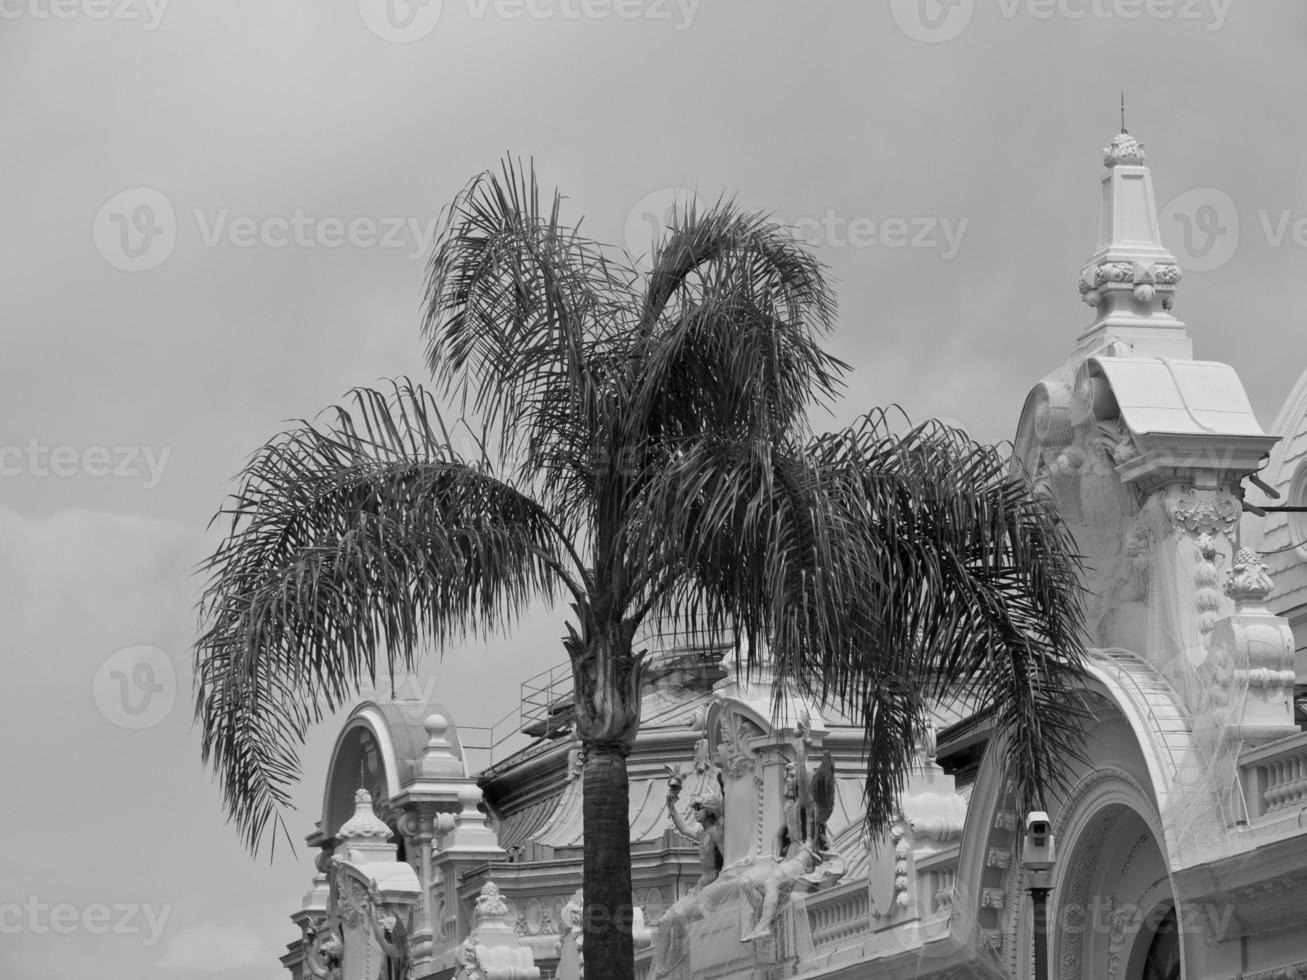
point(213, 217)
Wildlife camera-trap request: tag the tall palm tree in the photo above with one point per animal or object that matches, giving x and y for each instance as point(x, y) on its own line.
point(643, 453)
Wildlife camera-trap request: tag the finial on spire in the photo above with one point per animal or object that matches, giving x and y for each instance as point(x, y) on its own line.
point(1124, 149)
point(1123, 129)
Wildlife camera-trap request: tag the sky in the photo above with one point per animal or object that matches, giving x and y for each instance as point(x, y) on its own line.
point(215, 219)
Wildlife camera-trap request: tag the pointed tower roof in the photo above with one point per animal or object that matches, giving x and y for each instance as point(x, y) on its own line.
point(1130, 280)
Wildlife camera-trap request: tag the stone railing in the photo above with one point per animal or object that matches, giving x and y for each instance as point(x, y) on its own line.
point(839, 913)
point(1274, 776)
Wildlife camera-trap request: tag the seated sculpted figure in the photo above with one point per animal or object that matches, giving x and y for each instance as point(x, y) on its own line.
point(801, 860)
point(778, 880)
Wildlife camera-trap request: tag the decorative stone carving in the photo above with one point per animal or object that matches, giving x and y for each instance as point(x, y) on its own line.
point(733, 750)
point(571, 959)
point(1123, 150)
point(998, 857)
point(1258, 647)
point(490, 903)
point(323, 956)
point(365, 824)
point(1249, 580)
point(493, 951)
point(702, 756)
point(1291, 971)
point(1204, 511)
point(1207, 601)
point(1144, 280)
point(575, 763)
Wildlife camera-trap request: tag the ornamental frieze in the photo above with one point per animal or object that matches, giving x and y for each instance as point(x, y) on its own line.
point(1204, 511)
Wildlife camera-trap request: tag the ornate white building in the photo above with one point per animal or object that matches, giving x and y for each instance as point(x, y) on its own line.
point(1181, 846)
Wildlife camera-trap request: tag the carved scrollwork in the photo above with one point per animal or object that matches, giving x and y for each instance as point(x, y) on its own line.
point(736, 758)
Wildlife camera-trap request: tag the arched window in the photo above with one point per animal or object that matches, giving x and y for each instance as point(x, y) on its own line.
point(1162, 961)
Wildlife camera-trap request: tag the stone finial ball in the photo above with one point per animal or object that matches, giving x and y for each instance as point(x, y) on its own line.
point(436, 725)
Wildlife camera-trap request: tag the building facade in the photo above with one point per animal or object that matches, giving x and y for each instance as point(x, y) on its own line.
point(1180, 845)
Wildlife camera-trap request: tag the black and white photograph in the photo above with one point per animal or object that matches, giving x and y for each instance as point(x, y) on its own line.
point(653, 490)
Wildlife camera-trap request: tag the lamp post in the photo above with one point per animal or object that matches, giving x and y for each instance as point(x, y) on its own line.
point(1037, 857)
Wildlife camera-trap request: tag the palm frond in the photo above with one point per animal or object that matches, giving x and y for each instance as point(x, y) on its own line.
point(348, 545)
point(731, 327)
point(971, 587)
point(522, 314)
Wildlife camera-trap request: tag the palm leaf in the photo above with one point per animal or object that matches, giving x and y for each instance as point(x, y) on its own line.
point(349, 545)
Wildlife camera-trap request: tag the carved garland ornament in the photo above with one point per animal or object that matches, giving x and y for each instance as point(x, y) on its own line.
point(1142, 279)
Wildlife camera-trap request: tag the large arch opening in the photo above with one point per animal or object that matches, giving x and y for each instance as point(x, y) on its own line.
point(1113, 912)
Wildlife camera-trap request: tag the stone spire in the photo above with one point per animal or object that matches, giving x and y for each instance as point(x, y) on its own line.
point(365, 837)
point(1131, 278)
point(365, 824)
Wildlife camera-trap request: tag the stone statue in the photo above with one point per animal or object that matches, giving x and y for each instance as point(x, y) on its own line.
point(801, 862)
point(571, 937)
point(709, 831)
point(809, 798)
point(778, 880)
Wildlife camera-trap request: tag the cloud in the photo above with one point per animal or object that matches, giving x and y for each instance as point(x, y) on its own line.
point(213, 947)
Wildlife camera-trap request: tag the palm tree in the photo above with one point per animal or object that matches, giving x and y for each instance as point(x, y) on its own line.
point(643, 452)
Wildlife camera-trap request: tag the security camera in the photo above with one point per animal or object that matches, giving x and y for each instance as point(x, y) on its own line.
point(1038, 826)
point(1037, 851)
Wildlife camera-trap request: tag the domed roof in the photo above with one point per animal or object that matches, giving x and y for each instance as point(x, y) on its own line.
point(378, 749)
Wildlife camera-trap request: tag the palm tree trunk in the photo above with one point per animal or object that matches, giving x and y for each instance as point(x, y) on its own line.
point(608, 947)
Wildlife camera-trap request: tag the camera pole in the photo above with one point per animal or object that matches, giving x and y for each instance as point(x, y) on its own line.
point(1038, 853)
point(1039, 888)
